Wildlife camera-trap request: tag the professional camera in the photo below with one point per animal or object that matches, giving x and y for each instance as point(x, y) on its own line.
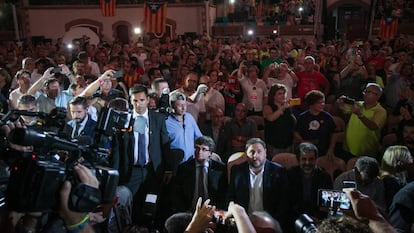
point(111, 120)
point(305, 224)
point(35, 180)
point(164, 102)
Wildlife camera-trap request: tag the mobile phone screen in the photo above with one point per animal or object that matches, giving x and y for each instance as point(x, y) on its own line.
point(333, 199)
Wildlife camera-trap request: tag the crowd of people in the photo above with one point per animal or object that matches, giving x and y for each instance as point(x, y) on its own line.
point(209, 119)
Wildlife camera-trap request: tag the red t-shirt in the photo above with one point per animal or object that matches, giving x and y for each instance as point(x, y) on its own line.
point(309, 82)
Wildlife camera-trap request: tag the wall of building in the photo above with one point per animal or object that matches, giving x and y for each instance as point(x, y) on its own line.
point(50, 21)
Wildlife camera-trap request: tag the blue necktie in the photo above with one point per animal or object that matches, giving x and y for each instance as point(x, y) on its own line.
point(139, 126)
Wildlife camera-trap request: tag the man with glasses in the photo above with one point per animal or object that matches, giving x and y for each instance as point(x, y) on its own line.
point(200, 177)
point(363, 131)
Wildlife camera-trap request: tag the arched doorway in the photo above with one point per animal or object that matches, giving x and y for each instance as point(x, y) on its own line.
point(122, 32)
point(348, 20)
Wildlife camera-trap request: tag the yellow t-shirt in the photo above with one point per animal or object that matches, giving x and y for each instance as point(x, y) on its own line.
point(360, 140)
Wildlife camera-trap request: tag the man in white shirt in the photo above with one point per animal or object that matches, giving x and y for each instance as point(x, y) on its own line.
point(259, 184)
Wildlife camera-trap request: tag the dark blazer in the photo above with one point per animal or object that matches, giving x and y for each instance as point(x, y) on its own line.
point(275, 188)
point(320, 180)
point(88, 130)
point(123, 150)
point(184, 185)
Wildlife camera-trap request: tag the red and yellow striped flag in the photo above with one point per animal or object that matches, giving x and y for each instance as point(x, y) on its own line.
point(108, 7)
point(155, 16)
point(388, 28)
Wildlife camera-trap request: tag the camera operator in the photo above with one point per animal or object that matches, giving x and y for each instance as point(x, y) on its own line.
point(74, 222)
point(161, 89)
point(26, 103)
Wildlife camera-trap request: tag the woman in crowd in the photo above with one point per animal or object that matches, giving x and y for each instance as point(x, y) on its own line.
point(393, 172)
point(315, 125)
point(279, 121)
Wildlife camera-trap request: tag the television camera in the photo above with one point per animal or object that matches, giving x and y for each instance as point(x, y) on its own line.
point(36, 177)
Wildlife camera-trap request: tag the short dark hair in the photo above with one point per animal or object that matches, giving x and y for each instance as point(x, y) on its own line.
point(138, 88)
point(49, 81)
point(79, 100)
point(26, 99)
point(252, 141)
point(20, 73)
point(155, 83)
point(151, 72)
point(207, 141)
point(313, 96)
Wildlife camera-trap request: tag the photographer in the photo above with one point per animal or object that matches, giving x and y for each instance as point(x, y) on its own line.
point(26, 103)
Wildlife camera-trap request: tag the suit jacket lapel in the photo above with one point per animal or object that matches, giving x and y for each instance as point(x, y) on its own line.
point(267, 184)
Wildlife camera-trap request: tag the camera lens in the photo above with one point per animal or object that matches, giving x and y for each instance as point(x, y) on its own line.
point(305, 224)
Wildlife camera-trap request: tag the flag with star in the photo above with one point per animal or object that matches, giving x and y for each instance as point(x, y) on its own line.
point(155, 16)
point(108, 7)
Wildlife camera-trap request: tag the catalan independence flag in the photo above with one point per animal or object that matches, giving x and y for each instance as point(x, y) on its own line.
point(108, 7)
point(155, 16)
point(388, 27)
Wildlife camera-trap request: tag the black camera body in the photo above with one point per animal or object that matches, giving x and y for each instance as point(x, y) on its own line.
point(35, 180)
point(348, 100)
point(34, 184)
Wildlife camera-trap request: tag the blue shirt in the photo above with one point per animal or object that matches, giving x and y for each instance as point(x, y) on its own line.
point(182, 136)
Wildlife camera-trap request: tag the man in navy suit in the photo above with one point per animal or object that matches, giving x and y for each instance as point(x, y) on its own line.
point(141, 154)
point(81, 123)
point(190, 184)
point(259, 184)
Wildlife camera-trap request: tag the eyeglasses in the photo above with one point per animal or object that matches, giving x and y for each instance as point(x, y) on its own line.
point(370, 92)
point(201, 148)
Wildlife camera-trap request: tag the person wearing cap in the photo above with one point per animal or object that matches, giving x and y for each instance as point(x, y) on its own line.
point(310, 79)
point(363, 131)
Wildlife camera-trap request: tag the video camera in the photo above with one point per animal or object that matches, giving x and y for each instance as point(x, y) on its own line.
point(35, 180)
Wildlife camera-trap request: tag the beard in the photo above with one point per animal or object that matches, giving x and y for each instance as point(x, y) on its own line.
point(52, 94)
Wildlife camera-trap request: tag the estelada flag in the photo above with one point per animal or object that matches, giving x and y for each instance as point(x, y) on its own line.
point(155, 16)
point(108, 7)
point(388, 27)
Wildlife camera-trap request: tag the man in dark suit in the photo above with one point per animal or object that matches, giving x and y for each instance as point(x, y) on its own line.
point(81, 123)
point(305, 180)
point(259, 184)
point(200, 177)
point(142, 153)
